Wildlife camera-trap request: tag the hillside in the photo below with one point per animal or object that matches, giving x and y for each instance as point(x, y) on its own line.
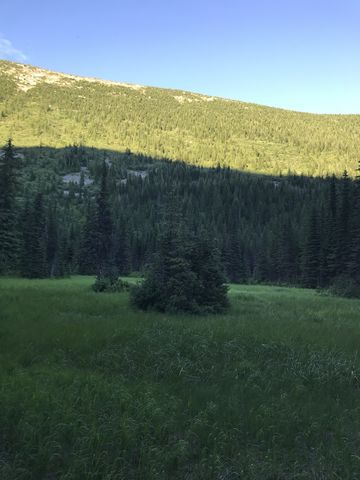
point(42, 107)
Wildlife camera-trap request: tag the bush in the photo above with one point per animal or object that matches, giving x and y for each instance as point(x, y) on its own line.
point(109, 284)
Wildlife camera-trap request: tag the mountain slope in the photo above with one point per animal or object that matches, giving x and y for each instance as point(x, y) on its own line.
point(42, 107)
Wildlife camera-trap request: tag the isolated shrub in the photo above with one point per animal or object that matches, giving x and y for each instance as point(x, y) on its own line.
point(102, 284)
point(119, 286)
point(110, 284)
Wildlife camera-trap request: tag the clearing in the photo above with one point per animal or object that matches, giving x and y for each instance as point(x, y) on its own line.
point(92, 389)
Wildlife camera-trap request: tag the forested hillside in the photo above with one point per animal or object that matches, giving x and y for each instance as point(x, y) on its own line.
point(95, 164)
point(38, 107)
point(54, 202)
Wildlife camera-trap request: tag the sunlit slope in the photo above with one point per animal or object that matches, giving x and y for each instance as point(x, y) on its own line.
point(42, 107)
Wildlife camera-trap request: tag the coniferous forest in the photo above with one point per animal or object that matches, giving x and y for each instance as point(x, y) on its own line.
point(40, 107)
point(84, 210)
point(87, 189)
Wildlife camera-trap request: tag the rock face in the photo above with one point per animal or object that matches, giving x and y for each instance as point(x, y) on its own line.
point(138, 173)
point(76, 177)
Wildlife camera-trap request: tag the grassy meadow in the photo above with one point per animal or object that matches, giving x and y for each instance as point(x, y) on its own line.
point(92, 389)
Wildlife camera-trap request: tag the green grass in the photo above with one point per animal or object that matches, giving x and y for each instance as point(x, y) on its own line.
point(92, 389)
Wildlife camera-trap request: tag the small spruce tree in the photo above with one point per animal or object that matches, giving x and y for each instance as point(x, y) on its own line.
point(185, 275)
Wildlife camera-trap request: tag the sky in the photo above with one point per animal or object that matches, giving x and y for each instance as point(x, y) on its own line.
point(296, 54)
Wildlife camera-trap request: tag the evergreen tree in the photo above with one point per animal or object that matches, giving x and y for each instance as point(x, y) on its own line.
point(104, 228)
point(233, 259)
point(210, 288)
point(330, 235)
point(185, 275)
point(123, 251)
point(8, 231)
point(286, 254)
point(169, 283)
point(323, 227)
point(88, 243)
point(34, 264)
point(69, 251)
point(26, 222)
point(262, 268)
point(52, 250)
point(354, 260)
point(343, 227)
point(311, 254)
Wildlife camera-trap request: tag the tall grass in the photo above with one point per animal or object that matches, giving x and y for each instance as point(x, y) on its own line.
point(91, 389)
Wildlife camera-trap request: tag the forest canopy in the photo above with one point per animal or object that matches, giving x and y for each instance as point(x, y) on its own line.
point(292, 230)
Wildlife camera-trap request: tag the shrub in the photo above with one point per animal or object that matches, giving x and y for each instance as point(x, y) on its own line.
point(110, 284)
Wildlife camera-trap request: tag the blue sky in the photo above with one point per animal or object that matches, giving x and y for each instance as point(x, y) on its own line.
point(297, 54)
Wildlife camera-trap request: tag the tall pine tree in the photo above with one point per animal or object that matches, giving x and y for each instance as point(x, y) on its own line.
point(34, 252)
point(311, 254)
point(8, 234)
point(343, 227)
point(330, 235)
point(354, 259)
point(87, 258)
point(104, 229)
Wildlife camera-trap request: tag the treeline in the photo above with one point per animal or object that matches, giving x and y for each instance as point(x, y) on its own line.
point(161, 123)
point(292, 230)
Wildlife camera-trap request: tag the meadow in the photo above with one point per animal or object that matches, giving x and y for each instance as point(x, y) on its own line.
point(93, 389)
